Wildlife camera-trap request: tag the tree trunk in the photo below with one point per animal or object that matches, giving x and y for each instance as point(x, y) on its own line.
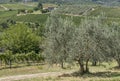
point(87, 69)
point(10, 64)
point(1, 63)
point(62, 65)
point(118, 61)
point(94, 63)
point(82, 70)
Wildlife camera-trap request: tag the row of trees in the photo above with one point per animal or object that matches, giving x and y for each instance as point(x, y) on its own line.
point(91, 41)
point(75, 9)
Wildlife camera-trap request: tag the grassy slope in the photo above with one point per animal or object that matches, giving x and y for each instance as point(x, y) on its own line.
point(18, 6)
point(4, 15)
point(108, 11)
point(112, 14)
point(34, 18)
point(1, 8)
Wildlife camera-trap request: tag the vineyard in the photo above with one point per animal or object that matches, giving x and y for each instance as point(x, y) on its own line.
point(7, 60)
point(75, 9)
point(18, 6)
point(33, 18)
point(113, 12)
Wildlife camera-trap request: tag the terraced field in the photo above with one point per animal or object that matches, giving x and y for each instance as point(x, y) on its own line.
point(34, 18)
point(113, 12)
point(18, 6)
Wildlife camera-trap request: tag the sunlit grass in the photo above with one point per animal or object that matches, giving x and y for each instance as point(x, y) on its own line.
point(17, 6)
point(102, 72)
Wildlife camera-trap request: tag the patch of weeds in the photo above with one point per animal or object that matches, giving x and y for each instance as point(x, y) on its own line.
point(40, 67)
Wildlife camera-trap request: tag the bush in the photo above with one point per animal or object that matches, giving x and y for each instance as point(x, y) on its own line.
point(10, 10)
point(21, 11)
point(45, 11)
point(36, 8)
point(30, 11)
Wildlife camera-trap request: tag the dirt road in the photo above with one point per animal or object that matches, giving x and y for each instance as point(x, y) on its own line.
point(27, 76)
point(4, 7)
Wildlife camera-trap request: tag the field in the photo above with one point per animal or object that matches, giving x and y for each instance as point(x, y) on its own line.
point(104, 72)
point(112, 13)
point(4, 15)
point(21, 70)
point(17, 6)
point(107, 11)
point(34, 18)
point(1, 8)
point(27, 6)
point(7, 14)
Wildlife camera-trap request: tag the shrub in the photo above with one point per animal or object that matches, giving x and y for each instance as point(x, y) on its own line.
point(45, 11)
point(21, 11)
point(36, 8)
point(30, 11)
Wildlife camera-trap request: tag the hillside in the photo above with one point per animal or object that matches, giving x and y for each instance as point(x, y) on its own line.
point(104, 2)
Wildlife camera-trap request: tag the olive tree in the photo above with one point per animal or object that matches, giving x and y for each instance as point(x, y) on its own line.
point(67, 42)
point(113, 42)
point(58, 33)
point(87, 43)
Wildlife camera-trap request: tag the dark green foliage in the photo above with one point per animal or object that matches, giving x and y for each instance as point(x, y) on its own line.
point(20, 39)
point(21, 11)
point(35, 8)
point(45, 11)
point(29, 11)
point(40, 6)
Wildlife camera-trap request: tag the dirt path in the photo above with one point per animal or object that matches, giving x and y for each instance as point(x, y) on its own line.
point(4, 7)
point(27, 76)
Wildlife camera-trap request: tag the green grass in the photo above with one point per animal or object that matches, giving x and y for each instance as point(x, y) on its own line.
point(17, 6)
point(113, 12)
point(98, 73)
point(68, 79)
point(4, 14)
point(46, 5)
point(29, 70)
point(34, 18)
point(1, 9)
